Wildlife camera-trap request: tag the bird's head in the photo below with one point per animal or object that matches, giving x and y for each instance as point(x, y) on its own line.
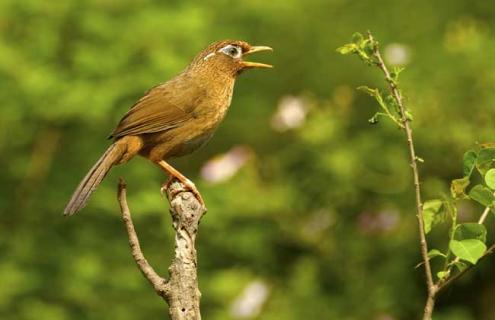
point(227, 56)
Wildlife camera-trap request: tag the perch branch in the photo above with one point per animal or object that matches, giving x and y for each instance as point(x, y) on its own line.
point(180, 291)
point(158, 283)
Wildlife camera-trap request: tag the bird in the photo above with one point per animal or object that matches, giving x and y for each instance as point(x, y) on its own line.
point(174, 118)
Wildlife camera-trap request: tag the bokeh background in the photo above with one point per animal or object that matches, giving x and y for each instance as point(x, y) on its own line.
point(311, 210)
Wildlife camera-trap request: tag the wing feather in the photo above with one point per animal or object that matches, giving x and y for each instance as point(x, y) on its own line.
point(162, 108)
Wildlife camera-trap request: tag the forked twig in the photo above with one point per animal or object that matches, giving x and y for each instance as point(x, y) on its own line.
point(180, 290)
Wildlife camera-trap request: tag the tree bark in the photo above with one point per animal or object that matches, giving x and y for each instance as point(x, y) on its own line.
point(180, 290)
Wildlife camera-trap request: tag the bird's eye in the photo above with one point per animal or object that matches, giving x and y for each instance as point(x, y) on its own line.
point(231, 50)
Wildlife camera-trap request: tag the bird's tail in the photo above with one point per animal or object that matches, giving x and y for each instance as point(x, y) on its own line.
point(93, 178)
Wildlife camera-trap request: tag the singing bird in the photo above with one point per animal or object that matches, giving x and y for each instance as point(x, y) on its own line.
point(174, 118)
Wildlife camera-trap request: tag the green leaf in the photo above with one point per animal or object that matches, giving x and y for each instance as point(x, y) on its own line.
point(482, 194)
point(428, 221)
point(390, 101)
point(435, 253)
point(357, 37)
point(364, 56)
point(468, 162)
point(347, 49)
point(391, 104)
point(458, 188)
point(372, 92)
point(490, 179)
point(443, 274)
point(485, 159)
point(470, 230)
point(374, 119)
point(431, 210)
point(367, 48)
point(396, 72)
point(470, 250)
point(409, 115)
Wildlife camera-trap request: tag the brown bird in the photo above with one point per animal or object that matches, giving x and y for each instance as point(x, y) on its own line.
point(174, 118)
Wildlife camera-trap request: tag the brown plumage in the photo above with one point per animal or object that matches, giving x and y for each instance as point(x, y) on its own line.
point(174, 118)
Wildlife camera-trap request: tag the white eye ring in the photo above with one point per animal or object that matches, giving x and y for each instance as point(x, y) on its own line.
point(232, 51)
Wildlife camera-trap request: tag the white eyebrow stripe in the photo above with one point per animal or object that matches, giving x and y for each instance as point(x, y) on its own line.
point(209, 56)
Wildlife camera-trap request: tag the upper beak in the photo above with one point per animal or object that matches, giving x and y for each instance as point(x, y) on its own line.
point(248, 64)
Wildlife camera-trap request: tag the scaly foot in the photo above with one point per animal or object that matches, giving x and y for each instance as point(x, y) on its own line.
point(188, 184)
point(174, 174)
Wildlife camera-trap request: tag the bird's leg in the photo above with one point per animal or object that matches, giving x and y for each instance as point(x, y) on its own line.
point(174, 174)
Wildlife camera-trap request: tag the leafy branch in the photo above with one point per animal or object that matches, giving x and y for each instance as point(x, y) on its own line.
point(466, 241)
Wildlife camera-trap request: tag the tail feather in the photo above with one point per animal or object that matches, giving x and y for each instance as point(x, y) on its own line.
point(92, 179)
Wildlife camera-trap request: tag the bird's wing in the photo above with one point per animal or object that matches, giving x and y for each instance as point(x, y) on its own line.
point(162, 108)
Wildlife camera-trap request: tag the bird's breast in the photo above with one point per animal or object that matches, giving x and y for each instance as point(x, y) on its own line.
point(212, 110)
point(208, 112)
point(206, 119)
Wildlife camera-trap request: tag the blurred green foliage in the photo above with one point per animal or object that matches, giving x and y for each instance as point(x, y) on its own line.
point(321, 217)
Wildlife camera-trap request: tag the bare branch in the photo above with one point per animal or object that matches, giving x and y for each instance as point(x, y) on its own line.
point(158, 283)
point(186, 214)
point(181, 290)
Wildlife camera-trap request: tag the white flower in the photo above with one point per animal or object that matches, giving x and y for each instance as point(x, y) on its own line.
point(397, 54)
point(224, 166)
point(250, 301)
point(291, 113)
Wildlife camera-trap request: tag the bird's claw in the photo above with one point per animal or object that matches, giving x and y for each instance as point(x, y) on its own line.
point(166, 186)
point(192, 187)
point(189, 186)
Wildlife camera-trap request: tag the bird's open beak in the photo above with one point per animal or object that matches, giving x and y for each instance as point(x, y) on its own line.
point(248, 64)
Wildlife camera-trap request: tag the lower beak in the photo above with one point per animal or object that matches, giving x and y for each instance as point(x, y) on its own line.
point(248, 64)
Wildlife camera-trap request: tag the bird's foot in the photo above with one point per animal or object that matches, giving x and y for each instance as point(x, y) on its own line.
point(166, 185)
point(188, 184)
